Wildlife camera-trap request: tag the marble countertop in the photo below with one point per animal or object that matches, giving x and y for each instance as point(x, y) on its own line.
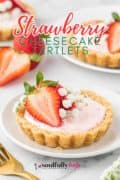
point(90, 168)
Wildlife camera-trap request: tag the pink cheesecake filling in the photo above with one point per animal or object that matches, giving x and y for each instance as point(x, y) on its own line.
point(82, 118)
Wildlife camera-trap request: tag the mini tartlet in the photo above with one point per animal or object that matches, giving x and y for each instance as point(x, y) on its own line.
point(107, 54)
point(10, 10)
point(56, 117)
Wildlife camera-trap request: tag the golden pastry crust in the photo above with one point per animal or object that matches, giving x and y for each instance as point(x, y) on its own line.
point(100, 59)
point(97, 58)
point(69, 139)
point(5, 34)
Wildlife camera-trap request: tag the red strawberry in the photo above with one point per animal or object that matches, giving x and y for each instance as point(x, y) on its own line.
point(34, 46)
point(29, 45)
point(12, 65)
point(33, 65)
point(109, 25)
point(44, 106)
point(24, 7)
point(114, 37)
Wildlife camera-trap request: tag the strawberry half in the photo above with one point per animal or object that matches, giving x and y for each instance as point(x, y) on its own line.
point(24, 7)
point(33, 46)
point(44, 106)
point(114, 37)
point(12, 65)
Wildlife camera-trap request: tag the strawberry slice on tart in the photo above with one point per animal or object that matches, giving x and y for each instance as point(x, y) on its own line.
point(113, 39)
point(23, 6)
point(33, 46)
point(44, 106)
point(43, 101)
point(12, 65)
point(48, 101)
point(9, 5)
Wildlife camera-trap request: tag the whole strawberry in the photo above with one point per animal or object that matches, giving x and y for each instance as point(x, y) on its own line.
point(33, 46)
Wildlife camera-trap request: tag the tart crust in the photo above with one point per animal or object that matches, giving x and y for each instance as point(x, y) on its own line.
point(97, 58)
point(69, 139)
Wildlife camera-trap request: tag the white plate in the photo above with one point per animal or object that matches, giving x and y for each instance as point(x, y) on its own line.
point(101, 12)
point(109, 142)
point(89, 66)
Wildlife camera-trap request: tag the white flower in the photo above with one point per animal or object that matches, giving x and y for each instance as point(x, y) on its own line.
point(75, 112)
point(62, 113)
point(16, 12)
point(62, 91)
point(80, 105)
point(67, 103)
point(8, 4)
point(80, 97)
point(71, 97)
point(2, 8)
point(116, 164)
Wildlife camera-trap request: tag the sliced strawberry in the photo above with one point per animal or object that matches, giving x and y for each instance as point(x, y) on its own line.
point(12, 65)
point(34, 46)
point(33, 65)
point(24, 7)
point(114, 38)
point(109, 25)
point(44, 106)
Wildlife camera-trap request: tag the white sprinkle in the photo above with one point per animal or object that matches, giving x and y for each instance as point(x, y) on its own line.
point(16, 12)
point(80, 105)
point(2, 8)
point(75, 112)
point(8, 4)
point(62, 113)
point(67, 103)
point(71, 97)
point(62, 91)
point(80, 97)
point(116, 164)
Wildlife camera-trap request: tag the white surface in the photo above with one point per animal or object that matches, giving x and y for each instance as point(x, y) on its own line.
point(91, 168)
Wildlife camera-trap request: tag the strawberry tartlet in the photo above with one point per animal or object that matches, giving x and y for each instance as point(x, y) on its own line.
point(55, 116)
point(10, 10)
point(105, 53)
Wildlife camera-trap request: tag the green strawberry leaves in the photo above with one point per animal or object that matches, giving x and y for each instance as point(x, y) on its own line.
point(39, 78)
point(28, 88)
point(39, 81)
point(50, 83)
point(44, 36)
point(35, 57)
point(116, 16)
